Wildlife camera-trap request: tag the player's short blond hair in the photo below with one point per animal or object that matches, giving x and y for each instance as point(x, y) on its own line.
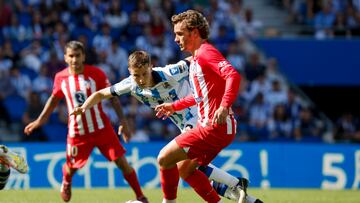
point(193, 20)
point(139, 59)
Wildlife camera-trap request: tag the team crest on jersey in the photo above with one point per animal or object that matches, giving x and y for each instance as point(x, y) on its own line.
point(80, 97)
point(174, 71)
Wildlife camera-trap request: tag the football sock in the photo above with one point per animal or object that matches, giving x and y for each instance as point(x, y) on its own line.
point(132, 179)
point(220, 188)
point(168, 201)
point(200, 183)
point(67, 176)
point(218, 175)
point(169, 179)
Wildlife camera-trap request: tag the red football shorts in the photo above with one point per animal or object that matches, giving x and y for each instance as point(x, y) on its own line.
point(78, 149)
point(204, 143)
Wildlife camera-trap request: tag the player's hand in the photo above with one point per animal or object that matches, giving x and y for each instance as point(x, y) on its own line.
point(124, 132)
point(164, 110)
point(31, 127)
point(77, 111)
point(220, 116)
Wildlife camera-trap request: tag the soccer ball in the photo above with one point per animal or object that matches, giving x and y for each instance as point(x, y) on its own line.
point(133, 201)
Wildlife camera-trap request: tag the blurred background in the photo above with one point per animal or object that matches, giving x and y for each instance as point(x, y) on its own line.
point(299, 60)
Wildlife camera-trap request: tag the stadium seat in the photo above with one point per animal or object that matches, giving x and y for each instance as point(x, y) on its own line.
point(29, 72)
point(16, 106)
point(55, 132)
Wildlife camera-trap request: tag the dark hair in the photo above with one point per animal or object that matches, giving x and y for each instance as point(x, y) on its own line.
point(75, 45)
point(193, 20)
point(139, 59)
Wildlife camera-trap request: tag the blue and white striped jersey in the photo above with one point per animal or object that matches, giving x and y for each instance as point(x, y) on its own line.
point(171, 84)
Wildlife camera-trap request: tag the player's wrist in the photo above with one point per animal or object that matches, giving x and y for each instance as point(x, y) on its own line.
point(225, 108)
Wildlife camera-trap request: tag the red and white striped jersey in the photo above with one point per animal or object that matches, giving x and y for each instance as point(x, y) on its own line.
point(76, 88)
point(214, 83)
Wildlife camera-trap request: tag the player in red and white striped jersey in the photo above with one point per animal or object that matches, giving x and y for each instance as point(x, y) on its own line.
point(215, 84)
point(90, 129)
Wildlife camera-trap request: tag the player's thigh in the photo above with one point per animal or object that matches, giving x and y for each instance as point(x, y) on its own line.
point(109, 144)
point(78, 152)
point(171, 154)
point(203, 143)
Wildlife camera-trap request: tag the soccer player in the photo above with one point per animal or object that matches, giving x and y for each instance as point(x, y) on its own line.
point(77, 82)
point(215, 84)
point(10, 159)
point(153, 86)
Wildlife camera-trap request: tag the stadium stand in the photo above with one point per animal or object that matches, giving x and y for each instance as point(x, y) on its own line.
point(34, 33)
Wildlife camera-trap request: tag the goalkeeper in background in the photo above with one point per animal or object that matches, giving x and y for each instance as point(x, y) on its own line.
point(10, 159)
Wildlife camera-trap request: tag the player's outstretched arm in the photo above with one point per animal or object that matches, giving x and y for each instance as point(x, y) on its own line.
point(49, 107)
point(92, 100)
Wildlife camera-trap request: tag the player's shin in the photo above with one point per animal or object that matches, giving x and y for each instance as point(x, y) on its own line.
point(67, 173)
point(169, 179)
point(200, 183)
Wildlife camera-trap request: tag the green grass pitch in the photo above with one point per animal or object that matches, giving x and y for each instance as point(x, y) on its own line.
point(121, 195)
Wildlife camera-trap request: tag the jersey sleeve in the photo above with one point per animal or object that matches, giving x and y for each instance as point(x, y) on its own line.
point(178, 71)
point(214, 60)
point(57, 92)
point(184, 103)
point(122, 87)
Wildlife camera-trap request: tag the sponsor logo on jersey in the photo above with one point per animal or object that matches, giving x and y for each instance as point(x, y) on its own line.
point(174, 71)
point(80, 97)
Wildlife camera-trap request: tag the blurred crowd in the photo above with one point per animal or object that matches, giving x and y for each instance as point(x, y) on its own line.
point(33, 34)
point(324, 18)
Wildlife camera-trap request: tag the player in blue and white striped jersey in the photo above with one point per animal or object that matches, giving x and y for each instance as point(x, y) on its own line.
point(153, 86)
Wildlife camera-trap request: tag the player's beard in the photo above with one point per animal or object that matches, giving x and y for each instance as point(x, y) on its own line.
point(77, 68)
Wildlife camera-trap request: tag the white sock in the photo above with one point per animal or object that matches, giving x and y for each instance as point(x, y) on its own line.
point(169, 201)
point(222, 176)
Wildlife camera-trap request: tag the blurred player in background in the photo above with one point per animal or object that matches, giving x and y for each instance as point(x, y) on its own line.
point(153, 86)
point(76, 83)
point(10, 159)
point(215, 84)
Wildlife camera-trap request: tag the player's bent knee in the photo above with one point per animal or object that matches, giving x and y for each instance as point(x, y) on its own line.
point(161, 159)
